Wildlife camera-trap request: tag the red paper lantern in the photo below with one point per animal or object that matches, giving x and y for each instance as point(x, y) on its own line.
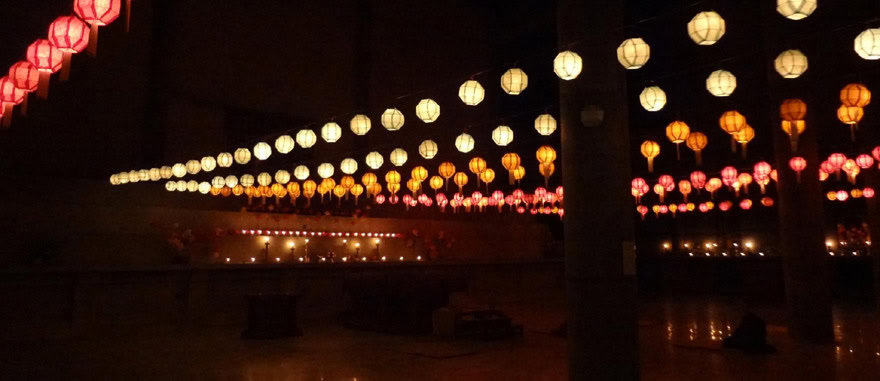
point(380, 199)
point(762, 169)
point(642, 210)
point(667, 182)
point(728, 175)
point(797, 164)
point(864, 161)
point(70, 35)
point(24, 77)
point(703, 207)
point(767, 201)
point(868, 192)
point(725, 206)
point(836, 160)
point(698, 179)
point(842, 195)
point(876, 153)
point(47, 59)
point(745, 204)
point(684, 187)
point(96, 13)
point(9, 97)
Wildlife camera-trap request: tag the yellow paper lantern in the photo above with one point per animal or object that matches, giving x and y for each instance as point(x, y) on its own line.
point(347, 182)
point(165, 172)
point(652, 98)
point(519, 173)
point(237, 190)
point(392, 177)
point(514, 81)
point(393, 188)
point(510, 161)
point(292, 189)
point(170, 186)
point(633, 53)
point(428, 110)
point(428, 149)
point(743, 137)
point(247, 180)
point(368, 179)
point(867, 44)
point(721, 83)
point(224, 160)
point(208, 163)
point(374, 189)
point(567, 65)
point(545, 154)
point(413, 186)
point(419, 173)
point(545, 124)
point(435, 182)
point(677, 132)
point(487, 176)
point(546, 170)
point(374, 160)
point(397, 157)
point(446, 170)
point(242, 156)
point(796, 9)
point(706, 28)
point(155, 174)
point(331, 132)
point(231, 181)
point(192, 186)
point(264, 179)
point(792, 109)
point(471, 92)
point(284, 144)
point(461, 180)
point(392, 119)
point(192, 167)
point(502, 135)
point(178, 170)
point(697, 141)
point(306, 138)
point(464, 143)
point(360, 124)
point(339, 191)
point(850, 115)
point(791, 63)
point(477, 165)
point(204, 187)
point(650, 149)
point(855, 95)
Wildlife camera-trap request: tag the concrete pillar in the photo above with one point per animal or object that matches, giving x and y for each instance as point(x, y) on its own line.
point(599, 248)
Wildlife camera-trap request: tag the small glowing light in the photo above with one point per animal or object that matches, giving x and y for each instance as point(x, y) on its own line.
point(383, 258)
point(868, 243)
point(735, 244)
point(401, 258)
point(854, 253)
point(665, 245)
point(290, 244)
point(307, 240)
point(714, 244)
point(708, 245)
point(300, 259)
point(253, 259)
point(419, 258)
point(266, 239)
point(377, 241)
point(357, 244)
point(691, 254)
point(323, 259)
point(761, 253)
point(749, 244)
point(828, 243)
point(344, 241)
point(277, 259)
point(227, 260)
point(724, 254)
point(364, 259)
point(687, 245)
point(831, 253)
point(345, 259)
point(707, 254)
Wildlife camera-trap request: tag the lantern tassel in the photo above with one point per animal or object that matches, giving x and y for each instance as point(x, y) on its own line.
point(732, 144)
point(794, 143)
point(43, 84)
point(65, 66)
point(127, 15)
point(510, 177)
point(651, 164)
point(24, 104)
point(93, 40)
point(852, 132)
point(699, 155)
point(250, 198)
point(744, 150)
point(678, 151)
point(798, 176)
point(7, 114)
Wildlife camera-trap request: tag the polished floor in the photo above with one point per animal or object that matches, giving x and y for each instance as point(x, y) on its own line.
point(679, 340)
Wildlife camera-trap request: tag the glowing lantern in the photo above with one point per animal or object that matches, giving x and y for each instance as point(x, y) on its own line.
point(729, 175)
point(392, 119)
point(446, 170)
point(721, 83)
point(836, 160)
point(435, 182)
point(487, 177)
point(638, 188)
point(697, 141)
point(660, 190)
point(650, 149)
point(767, 201)
point(698, 180)
point(204, 187)
point(292, 189)
point(677, 132)
point(471, 92)
point(514, 81)
point(792, 110)
point(166, 172)
point(346, 182)
point(762, 169)
point(745, 204)
point(744, 179)
point(868, 192)
point(477, 166)
point(461, 180)
point(791, 63)
point(380, 199)
point(864, 161)
point(25, 77)
point(851, 169)
point(633, 53)
point(397, 157)
point(375, 189)
point(567, 65)
point(247, 180)
point(360, 124)
point(876, 153)
point(9, 97)
point(794, 133)
point(464, 143)
point(419, 173)
point(224, 160)
point(301, 172)
point(546, 170)
point(96, 13)
point(796, 9)
point(867, 44)
point(684, 187)
point(218, 182)
point(69, 35)
point(519, 173)
point(47, 59)
point(264, 179)
point(208, 163)
point(842, 195)
point(510, 161)
point(306, 138)
point(331, 132)
point(171, 186)
point(706, 28)
point(193, 167)
point(642, 210)
point(732, 122)
point(348, 166)
point(242, 156)
point(851, 116)
point(855, 95)
point(667, 182)
point(368, 179)
point(392, 177)
point(262, 151)
point(428, 149)
point(545, 124)
point(502, 135)
point(325, 170)
point(374, 160)
point(232, 181)
point(427, 110)
point(725, 206)
point(357, 190)
point(831, 195)
point(856, 193)
point(545, 154)
point(653, 98)
point(744, 136)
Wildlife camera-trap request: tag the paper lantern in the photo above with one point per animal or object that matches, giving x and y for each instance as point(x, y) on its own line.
point(446, 170)
point(262, 151)
point(855, 95)
point(25, 77)
point(247, 180)
point(864, 161)
point(729, 175)
point(232, 181)
point(744, 136)
point(794, 133)
point(242, 156)
point(331, 132)
point(204, 187)
point(796, 9)
point(392, 119)
point(283, 144)
point(721, 83)
point(325, 170)
point(9, 97)
point(633, 53)
point(224, 160)
point(397, 157)
point(264, 179)
point(732, 122)
point(460, 179)
point(166, 172)
point(650, 149)
point(477, 166)
point(464, 143)
point(653, 98)
point(685, 188)
point(791, 63)
point(792, 109)
point(374, 160)
point(360, 124)
point(47, 59)
point(435, 182)
point(545, 154)
point(392, 177)
point(428, 110)
point(178, 170)
point(677, 132)
point(70, 35)
point(697, 141)
point(208, 163)
point(292, 189)
point(419, 173)
point(850, 115)
point(348, 166)
point(96, 13)
point(218, 182)
point(867, 44)
point(368, 179)
point(393, 188)
point(567, 65)
point(744, 179)
point(428, 149)
point(510, 161)
point(706, 28)
point(868, 192)
point(502, 135)
point(471, 92)
point(745, 204)
point(308, 190)
point(514, 81)
point(306, 138)
point(545, 124)
point(131, 176)
point(347, 182)
point(698, 180)
point(143, 175)
point(487, 176)
point(193, 167)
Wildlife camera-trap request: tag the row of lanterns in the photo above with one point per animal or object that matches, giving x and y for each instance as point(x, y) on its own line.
point(703, 207)
point(730, 177)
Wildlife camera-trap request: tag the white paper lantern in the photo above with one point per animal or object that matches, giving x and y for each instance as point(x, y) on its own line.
point(181, 186)
point(360, 124)
point(224, 160)
point(247, 180)
point(170, 186)
point(392, 119)
point(721, 83)
point(428, 149)
point(231, 181)
point(242, 156)
point(301, 172)
point(502, 135)
point(633, 53)
point(427, 110)
point(791, 63)
point(325, 170)
point(348, 166)
point(471, 92)
point(193, 167)
point(204, 187)
point(264, 179)
point(796, 9)
point(284, 144)
point(397, 157)
point(166, 172)
point(262, 150)
point(545, 124)
point(867, 44)
point(464, 143)
point(706, 28)
point(155, 175)
point(133, 176)
point(208, 163)
point(567, 65)
point(306, 138)
point(374, 160)
point(218, 182)
point(114, 179)
point(143, 175)
point(331, 132)
point(514, 81)
point(178, 170)
point(282, 177)
point(653, 98)
point(192, 186)
point(123, 177)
